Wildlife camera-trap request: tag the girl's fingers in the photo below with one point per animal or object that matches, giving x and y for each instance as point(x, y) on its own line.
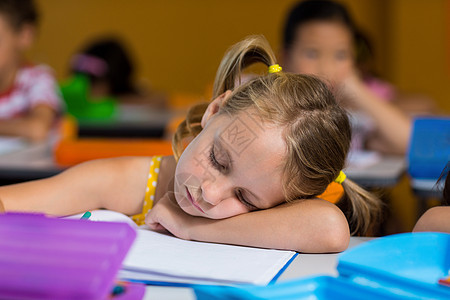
point(159, 228)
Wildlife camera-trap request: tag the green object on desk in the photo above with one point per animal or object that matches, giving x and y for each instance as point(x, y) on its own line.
point(86, 215)
point(117, 290)
point(76, 94)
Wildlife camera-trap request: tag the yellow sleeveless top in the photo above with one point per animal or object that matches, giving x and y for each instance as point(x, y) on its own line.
point(149, 198)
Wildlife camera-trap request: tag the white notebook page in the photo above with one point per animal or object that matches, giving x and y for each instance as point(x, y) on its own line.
point(154, 254)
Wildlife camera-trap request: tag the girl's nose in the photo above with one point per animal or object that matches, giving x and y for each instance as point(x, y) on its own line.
point(213, 192)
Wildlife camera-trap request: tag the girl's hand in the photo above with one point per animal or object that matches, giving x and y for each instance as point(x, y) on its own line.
point(167, 215)
point(351, 91)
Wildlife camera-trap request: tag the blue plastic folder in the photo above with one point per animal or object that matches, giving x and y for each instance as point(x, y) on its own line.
point(402, 266)
point(429, 149)
point(52, 258)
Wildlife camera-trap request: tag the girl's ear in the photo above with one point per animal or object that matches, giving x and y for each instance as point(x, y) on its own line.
point(214, 107)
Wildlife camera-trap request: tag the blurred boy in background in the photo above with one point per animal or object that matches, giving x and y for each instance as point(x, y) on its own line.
point(29, 98)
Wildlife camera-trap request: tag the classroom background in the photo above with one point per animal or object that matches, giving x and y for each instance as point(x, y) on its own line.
point(177, 45)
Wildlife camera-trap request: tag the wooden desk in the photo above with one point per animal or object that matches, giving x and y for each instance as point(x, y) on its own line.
point(302, 266)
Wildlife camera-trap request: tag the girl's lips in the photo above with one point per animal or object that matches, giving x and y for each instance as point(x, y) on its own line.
point(192, 201)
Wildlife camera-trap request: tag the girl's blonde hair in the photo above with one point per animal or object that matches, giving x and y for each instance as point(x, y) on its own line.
point(316, 129)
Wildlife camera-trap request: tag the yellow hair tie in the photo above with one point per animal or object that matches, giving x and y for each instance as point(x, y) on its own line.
point(275, 68)
point(341, 177)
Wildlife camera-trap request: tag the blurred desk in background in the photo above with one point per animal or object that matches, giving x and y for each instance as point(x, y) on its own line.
point(381, 175)
point(371, 170)
point(425, 190)
point(21, 161)
point(121, 130)
point(132, 121)
point(29, 163)
point(26, 161)
point(35, 161)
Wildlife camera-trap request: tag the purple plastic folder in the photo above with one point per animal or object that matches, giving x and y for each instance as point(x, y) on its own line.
point(52, 258)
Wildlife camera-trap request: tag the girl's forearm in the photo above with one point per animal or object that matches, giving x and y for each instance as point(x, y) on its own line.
point(313, 226)
point(117, 184)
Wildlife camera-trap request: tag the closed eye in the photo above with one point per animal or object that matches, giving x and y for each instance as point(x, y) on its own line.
point(242, 199)
point(215, 163)
point(224, 169)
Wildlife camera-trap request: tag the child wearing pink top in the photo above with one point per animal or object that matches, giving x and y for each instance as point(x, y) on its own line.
point(320, 38)
point(29, 98)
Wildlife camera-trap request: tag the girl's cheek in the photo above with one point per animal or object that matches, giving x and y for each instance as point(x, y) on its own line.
point(233, 209)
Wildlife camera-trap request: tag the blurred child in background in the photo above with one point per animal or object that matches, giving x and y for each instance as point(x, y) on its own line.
point(102, 84)
point(411, 104)
point(320, 38)
point(29, 99)
point(110, 70)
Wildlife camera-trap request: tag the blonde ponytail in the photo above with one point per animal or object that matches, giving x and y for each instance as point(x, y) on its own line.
point(252, 50)
point(361, 208)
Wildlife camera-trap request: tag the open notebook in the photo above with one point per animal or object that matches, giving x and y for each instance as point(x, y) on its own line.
point(156, 258)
